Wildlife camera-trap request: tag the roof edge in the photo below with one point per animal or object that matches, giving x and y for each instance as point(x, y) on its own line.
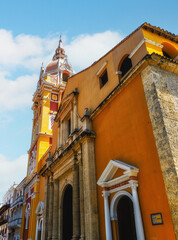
point(145, 25)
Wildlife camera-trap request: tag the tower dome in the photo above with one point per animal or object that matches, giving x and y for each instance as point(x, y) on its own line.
point(59, 64)
point(52, 66)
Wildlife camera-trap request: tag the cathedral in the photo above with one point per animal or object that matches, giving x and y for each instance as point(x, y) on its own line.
point(103, 157)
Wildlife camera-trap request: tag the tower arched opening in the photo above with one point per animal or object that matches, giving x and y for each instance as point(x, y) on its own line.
point(125, 65)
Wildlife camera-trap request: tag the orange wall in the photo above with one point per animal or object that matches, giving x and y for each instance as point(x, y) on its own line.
point(123, 132)
point(87, 82)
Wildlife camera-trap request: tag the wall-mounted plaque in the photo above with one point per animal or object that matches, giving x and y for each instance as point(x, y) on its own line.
point(156, 219)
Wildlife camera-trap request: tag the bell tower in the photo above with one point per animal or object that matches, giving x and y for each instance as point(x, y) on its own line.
point(46, 101)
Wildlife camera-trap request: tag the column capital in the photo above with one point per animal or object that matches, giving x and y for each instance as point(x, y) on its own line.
point(105, 194)
point(51, 179)
point(134, 184)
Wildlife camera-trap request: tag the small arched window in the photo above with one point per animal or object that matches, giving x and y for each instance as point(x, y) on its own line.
point(65, 76)
point(126, 65)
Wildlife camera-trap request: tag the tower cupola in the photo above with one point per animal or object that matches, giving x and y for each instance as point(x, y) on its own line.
point(59, 66)
point(59, 53)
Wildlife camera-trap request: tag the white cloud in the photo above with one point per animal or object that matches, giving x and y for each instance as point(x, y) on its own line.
point(23, 50)
point(85, 49)
point(11, 171)
point(28, 52)
point(16, 94)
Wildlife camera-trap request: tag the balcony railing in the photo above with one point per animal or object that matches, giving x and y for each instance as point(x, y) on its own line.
point(16, 223)
point(18, 200)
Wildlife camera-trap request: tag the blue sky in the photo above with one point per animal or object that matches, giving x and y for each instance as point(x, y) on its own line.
point(29, 34)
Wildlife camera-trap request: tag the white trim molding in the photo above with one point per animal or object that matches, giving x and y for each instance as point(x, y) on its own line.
point(153, 43)
point(101, 68)
point(40, 208)
point(106, 178)
point(39, 223)
point(136, 49)
point(145, 40)
point(107, 216)
point(128, 179)
point(114, 202)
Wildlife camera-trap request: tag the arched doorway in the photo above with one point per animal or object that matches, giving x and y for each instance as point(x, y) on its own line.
point(126, 222)
point(67, 229)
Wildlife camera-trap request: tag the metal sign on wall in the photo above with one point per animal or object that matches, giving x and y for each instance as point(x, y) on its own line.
point(156, 219)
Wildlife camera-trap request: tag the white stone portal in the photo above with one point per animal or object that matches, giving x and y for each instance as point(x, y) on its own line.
point(128, 179)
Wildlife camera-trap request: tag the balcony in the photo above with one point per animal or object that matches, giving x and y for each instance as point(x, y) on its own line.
point(16, 223)
point(4, 208)
point(18, 200)
point(3, 220)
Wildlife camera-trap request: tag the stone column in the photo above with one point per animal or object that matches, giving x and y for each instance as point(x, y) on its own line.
point(137, 212)
point(90, 191)
point(60, 210)
point(107, 216)
point(50, 218)
point(64, 132)
point(82, 220)
point(75, 118)
point(46, 202)
point(59, 133)
point(76, 203)
point(55, 210)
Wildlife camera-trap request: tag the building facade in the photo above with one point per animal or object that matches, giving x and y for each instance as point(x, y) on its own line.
point(15, 212)
point(103, 158)
point(112, 170)
point(5, 212)
point(11, 212)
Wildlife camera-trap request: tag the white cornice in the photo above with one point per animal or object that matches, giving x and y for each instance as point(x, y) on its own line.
point(115, 181)
point(101, 68)
point(106, 180)
point(112, 168)
point(141, 43)
point(39, 134)
point(153, 43)
point(31, 181)
point(136, 49)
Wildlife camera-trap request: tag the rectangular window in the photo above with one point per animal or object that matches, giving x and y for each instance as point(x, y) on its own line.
point(69, 126)
point(103, 78)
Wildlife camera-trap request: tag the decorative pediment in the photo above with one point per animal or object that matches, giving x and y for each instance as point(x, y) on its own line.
point(129, 172)
point(40, 208)
point(65, 105)
point(66, 101)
